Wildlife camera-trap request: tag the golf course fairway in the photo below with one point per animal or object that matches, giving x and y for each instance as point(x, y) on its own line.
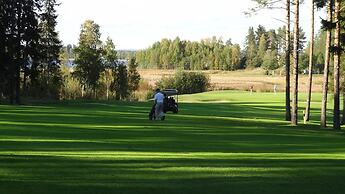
point(219, 143)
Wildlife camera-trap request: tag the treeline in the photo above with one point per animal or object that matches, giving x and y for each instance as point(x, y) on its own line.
point(263, 48)
point(266, 49)
point(33, 62)
point(208, 54)
point(29, 49)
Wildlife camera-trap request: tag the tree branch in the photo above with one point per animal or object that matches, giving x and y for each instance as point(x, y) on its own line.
point(280, 20)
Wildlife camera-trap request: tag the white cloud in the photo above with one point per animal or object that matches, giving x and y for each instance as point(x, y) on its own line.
point(136, 24)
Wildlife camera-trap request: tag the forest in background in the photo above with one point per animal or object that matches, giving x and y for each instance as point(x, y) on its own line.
point(35, 64)
point(266, 52)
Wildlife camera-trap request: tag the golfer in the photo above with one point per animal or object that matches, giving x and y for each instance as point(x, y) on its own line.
point(159, 99)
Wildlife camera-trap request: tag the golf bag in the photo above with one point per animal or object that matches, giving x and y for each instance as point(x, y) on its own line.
point(170, 105)
point(152, 115)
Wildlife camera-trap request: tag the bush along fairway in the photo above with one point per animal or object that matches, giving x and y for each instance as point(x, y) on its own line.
point(220, 142)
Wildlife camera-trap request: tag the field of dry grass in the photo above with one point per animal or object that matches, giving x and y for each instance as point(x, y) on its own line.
point(239, 80)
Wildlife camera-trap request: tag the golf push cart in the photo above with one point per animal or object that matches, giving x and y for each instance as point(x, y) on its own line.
point(169, 105)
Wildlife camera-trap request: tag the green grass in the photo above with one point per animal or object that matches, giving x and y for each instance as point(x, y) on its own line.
point(221, 142)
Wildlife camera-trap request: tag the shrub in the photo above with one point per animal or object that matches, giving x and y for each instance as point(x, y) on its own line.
point(144, 92)
point(166, 82)
point(72, 88)
point(186, 82)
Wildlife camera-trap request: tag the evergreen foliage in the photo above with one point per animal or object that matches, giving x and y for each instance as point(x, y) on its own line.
point(251, 49)
point(133, 76)
point(19, 40)
point(120, 84)
point(50, 79)
point(208, 54)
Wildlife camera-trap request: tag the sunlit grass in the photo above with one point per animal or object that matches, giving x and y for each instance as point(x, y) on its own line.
point(220, 142)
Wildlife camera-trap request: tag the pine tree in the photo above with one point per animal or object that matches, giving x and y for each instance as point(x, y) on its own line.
point(262, 50)
point(251, 49)
point(260, 31)
point(294, 113)
point(272, 40)
point(121, 82)
point(287, 62)
point(19, 21)
point(336, 75)
point(311, 64)
point(270, 4)
point(50, 47)
point(133, 76)
point(3, 76)
point(323, 122)
point(342, 60)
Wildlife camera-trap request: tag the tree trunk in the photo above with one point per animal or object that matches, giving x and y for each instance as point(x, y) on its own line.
point(17, 84)
point(287, 63)
point(107, 92)
point(82, 91)
point(343, 118)
point(11, 81)
point(311, 63)
point(25, 83)
point(336, 110)
point(107, 82)
point(326, 69)
point(294, 114)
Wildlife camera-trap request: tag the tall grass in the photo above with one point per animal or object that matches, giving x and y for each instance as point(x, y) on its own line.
point(239, 80)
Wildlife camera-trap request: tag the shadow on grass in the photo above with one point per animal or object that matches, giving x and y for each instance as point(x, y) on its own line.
point(41, 174)
point(41, 150)
point(226, 127)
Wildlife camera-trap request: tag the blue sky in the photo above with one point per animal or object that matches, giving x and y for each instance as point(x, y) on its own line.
point(136, 24)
